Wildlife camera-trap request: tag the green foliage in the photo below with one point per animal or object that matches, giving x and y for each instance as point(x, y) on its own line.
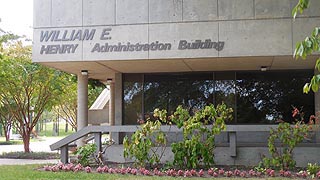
point(84, 153)
point(147, 144)
point(199, 132)
point(300, 7)
point(310, 45)
point(288, 137)
point(312, 169)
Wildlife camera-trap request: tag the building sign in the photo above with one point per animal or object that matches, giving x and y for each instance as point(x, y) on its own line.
point(67, 42)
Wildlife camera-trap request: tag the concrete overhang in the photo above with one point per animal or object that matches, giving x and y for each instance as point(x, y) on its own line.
point(102, 70)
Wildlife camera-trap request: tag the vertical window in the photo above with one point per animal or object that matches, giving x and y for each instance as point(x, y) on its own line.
point(168, 91)
point(266, 97)
point(132, 98)
point(225, 91)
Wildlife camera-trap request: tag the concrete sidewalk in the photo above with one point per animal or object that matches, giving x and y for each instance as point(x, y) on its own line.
point(38, 146)
point(43, 145)
point(27, 161)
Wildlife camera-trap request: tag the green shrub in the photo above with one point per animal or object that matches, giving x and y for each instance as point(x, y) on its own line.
point(288, 136)
point(313, 169)
point(84, 153)
point(147, 145)
point(199, 130)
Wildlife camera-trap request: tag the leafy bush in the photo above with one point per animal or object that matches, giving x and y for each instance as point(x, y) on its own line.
point(147, 145)
point(288, 136)
point(84, 153)
point(199, 133)
point(313, 169)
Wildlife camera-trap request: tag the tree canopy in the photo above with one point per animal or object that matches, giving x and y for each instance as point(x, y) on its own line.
point(310, 45)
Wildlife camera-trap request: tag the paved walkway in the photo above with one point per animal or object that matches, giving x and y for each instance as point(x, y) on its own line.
point(39, 146)
point(26, 161)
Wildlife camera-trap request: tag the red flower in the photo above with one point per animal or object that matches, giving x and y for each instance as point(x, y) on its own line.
point(295, 112)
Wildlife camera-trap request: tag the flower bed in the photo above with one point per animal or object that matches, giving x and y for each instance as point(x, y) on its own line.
point(212, 172)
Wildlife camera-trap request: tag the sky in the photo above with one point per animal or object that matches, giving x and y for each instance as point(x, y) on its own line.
point(17, 16)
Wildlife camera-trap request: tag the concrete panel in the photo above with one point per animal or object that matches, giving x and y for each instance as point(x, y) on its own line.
point(52, 48)
point(165, 11)
point(98, 116)
point(302, 27)
point(256, 38)
point(204, 10)
point(288, 62)
point(132, 12)
point(225, 64)
point(188, 32)
point(66, 13)
point(272, 8)
point(42, 13)
point(112, 37)
point(96, 70)
point(303, 155)
point(248, 156)
point(148, 66)
point(313, 10)
point(235, 9)
point(99, 12)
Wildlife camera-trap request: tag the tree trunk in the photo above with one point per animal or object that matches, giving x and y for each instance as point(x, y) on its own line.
point(7, 135)
point(26, 142)
point(6, 130)
point(66, 128)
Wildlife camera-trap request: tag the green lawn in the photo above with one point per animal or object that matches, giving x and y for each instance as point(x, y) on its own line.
point(27, 172)
point(48, 129)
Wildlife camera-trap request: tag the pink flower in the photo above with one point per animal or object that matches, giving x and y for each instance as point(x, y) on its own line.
point(60, 165)
point(302, 174)
point(78, 167)
point(47, 168)
point(228, 173)
point(146, 172)
point(88, 169)
point(201, 173)
point(211, 171)
point(221, 171)
point(99, 170)
point(133, 171)
point(236, 172)
point(180, 172)
point(243, 174)
point(287, 174)
point(252, 172)
point(105, 169)
point(187, 173)
point(193, 172)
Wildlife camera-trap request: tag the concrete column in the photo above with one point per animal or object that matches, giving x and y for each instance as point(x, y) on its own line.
point(82, 112)
point(317, 108)
point(118, 99)
point(111, 104)
point(113, 136)
point(117, 106)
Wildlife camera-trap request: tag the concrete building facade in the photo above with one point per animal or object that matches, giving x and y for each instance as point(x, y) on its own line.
point(226, 46)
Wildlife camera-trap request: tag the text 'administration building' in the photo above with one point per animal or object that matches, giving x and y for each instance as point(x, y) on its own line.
point(163, 53)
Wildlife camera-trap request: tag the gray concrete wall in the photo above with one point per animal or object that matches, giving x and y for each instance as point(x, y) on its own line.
point(248, 27)
point(248, 156)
